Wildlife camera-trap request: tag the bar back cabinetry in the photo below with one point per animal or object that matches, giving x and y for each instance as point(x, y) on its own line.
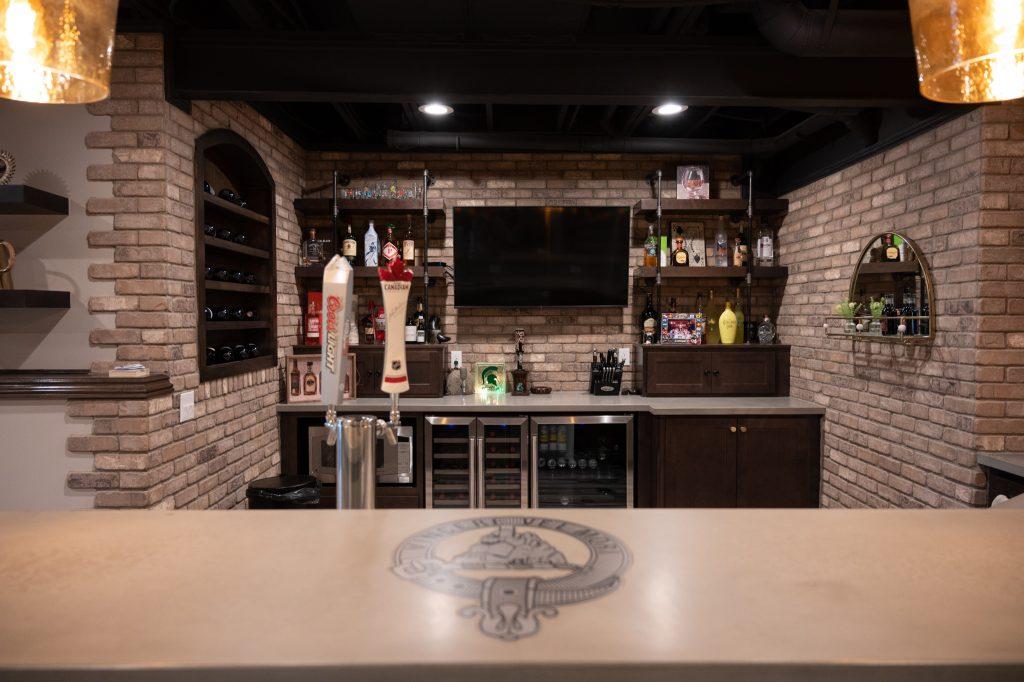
point(747, 370)
point(425, 364)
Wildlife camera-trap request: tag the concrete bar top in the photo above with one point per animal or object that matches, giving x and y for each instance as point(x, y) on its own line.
point(424, 595)
point(1010, 462)
point(576, 402)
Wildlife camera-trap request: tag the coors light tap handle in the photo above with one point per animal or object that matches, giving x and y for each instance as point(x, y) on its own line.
point(337, 299)
point(395, 282)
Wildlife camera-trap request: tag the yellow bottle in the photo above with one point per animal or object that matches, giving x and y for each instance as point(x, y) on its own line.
point(727, 324)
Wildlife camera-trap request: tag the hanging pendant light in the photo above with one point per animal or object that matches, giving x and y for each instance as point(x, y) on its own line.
point(969, 51)
point(56, 51)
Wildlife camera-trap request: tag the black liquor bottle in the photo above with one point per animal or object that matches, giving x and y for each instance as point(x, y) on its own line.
point(890, 316)
point(294, 381)
point(420, 321)
point(649, 323)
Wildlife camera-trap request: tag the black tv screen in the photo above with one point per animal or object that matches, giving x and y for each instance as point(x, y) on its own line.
point(541, 256)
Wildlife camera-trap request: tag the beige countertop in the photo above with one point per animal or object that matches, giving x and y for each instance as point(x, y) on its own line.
point(694, 594)
point(577, 402)
point(1010, 462)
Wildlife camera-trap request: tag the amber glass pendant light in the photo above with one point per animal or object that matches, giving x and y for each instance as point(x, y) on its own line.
point(56, 51)
point(969, 50)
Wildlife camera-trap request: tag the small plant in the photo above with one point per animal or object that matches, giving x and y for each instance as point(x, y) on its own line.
point(876, 308)
point(848, 309)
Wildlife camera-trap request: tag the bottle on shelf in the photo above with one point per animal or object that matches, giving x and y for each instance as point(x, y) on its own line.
point(649, 323)
point(739, 253)
point(409, 246)
point(309, 381)
point(890, 252)
point(924, 310)
point(727, 325)
point(294, 382)
point(701, 317)
point(370, 247)
point(909, 312)
point(712, 312)
point(651, 248)
point(741, 332)
point(420, 321)
point(766, 331)
point(679, 255)
point(721, 248)
point(765, 255)
point(349, 247)
point(901, 244)
point(389, 250)
point(672, 304)
point(890, 316)
point(312, 250)
point(367, 324)
point(380, 324)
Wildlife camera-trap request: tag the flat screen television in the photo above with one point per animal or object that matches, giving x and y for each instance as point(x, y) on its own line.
point(541, 256)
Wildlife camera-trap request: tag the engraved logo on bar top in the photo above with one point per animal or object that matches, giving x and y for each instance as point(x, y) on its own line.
point(517, 568)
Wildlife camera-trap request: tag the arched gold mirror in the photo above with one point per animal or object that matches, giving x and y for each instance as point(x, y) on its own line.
point(891, 297)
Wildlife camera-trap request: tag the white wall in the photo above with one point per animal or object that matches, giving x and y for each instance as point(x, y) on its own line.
point(48, 143)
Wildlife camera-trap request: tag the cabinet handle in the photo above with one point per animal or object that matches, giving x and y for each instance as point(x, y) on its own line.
point(743, 429)
point(732, 429)
point(707, 372)
point(715, 372)
point(472, 472)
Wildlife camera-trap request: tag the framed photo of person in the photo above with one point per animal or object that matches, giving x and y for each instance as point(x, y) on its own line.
point(693, 182)
point(302, 373)
point(693, 242)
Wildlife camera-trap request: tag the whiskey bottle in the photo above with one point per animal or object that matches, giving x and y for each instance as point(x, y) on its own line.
point(370, 247)
point(312, 250)
point(679, 254)
point(649, 323)
point(739, 253)
point(390, 248)
point(420, 322)
point(293, 379)
point(765, 255)
point(367, 325)
point(890, 316)
point(890, 252)
point(409, 246)
point(721, 248)
point(650, 248)
point(349, 246)
point(309, 381)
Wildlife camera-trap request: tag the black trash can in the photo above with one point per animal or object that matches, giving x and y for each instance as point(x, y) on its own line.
point(284, 492)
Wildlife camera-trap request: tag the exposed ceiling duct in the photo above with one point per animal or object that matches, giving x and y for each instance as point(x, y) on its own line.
point(790, 27)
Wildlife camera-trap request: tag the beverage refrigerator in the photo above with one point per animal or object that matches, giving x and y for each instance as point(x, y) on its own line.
point(476, 462)
point(582, 461)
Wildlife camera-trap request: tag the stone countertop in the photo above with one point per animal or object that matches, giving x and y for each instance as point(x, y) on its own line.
point(576, 402)
point(701, 595)
point(1010, 462)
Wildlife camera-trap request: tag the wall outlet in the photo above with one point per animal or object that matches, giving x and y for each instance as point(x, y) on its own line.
point(187, 406)
point(453, 357)
point(625, 354)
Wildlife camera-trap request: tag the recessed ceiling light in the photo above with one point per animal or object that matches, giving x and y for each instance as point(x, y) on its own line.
point(669, 109)
point(436, 109)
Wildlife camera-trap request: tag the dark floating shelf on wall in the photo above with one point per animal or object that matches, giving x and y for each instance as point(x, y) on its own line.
point(647, 208)
point(34, 298)
point(903, 268)
point(225, 245)
point(229, 326)
point(25, 200)
point(227, 369)
point(18, 384)
point(231, 286)
point(711, 272)
point(361, 272)
point(225, 205)
point(322, 207)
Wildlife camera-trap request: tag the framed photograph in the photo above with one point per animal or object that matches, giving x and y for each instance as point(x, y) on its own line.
point(693, 182)
point(350, 385)
point(681, 328)
point(489, 377)
point(303, 378)
point(693, 242)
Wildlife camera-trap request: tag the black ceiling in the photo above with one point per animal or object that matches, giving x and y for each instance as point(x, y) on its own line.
point(797, 88)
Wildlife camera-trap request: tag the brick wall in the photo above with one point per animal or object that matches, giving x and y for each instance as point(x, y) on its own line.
point(559, 341)
point(142, 456)
point(904, 424)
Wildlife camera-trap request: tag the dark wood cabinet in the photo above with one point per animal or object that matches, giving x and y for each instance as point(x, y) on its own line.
point(737, 461)
point(747, 370)
point(426, 371)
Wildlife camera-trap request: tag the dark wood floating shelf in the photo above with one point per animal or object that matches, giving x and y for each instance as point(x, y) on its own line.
point(322, 207)
point(765, 207)
point(225, 245)
point(231, 286)
point(34, 298)
point(80, 384)
point(228, 326)
point(711, 272)
point(227, 369)
point(25, 200)
point(903, 268)
point(305, 349)
point(225, 205)
point(362, 272)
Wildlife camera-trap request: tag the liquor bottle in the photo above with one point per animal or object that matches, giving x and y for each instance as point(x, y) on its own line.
point(651, 248)
point(890, 252)
point(390, 248)
point(370, 247)
point(672, 304)
point(890, 316)
point(409, 247)
point(739, 253)
point(312, 252)
point(380, 323)
point(924, 326)
point(420, 322)
point(721, 248)
point(766, 331)
point(741, 331)
point(649, 323)
point(309, 380)
point(679, 254)
point(765, 255)
point(293, 379)
point(909, 312)
point(349, 246)
point(369, 333)
point(727, 325)
point(701, 318)
point(901, 244)
point(712, 311)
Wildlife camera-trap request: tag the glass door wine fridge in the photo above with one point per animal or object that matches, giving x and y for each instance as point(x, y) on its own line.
point(476, 462)
point(582, 461)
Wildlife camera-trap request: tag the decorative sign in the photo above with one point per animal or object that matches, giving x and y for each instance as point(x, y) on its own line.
point(517, 568)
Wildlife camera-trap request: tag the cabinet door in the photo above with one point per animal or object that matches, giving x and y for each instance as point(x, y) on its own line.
point(450, 461)
point(697, 462)
point(369, 366)
point(743, 372)
point(426, 369)
point(503, 463)
point(677, 372)
point(778, 462)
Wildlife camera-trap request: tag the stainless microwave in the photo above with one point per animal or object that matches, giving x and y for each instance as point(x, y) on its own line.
point(394, 462)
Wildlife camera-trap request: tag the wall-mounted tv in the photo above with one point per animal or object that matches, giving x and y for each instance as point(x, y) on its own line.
point(541, 256)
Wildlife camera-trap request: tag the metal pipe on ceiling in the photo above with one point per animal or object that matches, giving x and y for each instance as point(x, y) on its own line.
point(792, 28)
point(540, 142)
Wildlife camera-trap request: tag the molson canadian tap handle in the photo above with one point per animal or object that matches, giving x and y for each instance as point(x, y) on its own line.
point(395, 282)
point(337, 299)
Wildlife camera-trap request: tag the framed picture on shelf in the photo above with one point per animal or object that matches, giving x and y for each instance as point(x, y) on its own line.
point(681, 328)
point(303, 377)
point(693, 182)
point(693, 242)
point(489, 377)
